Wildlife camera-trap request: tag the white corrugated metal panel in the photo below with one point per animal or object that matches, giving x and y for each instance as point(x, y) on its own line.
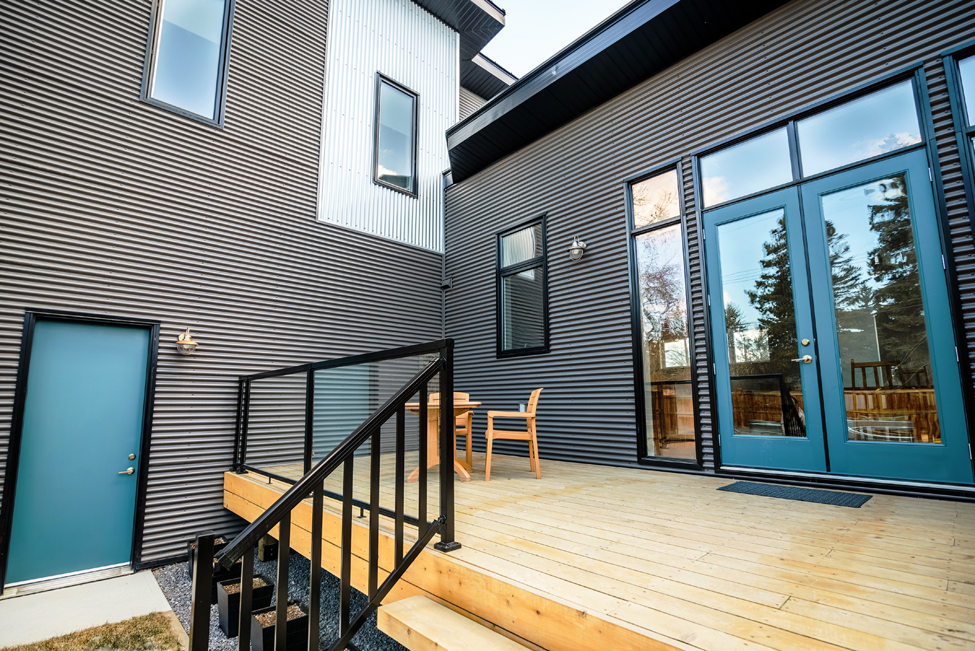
point(802, 53)
point(409, 45)
point(468, 102)
point(113, 206)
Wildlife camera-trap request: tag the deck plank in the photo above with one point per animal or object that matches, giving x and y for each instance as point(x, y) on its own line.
point(667, 556)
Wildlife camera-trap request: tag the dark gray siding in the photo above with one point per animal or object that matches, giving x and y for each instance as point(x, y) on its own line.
point(802, 53)
point(113, 206)
point(468, 102)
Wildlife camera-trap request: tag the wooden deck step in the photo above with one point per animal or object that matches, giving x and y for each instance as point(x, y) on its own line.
point(421, 624)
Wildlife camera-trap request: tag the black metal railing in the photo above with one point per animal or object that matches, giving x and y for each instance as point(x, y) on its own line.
point(312, 483)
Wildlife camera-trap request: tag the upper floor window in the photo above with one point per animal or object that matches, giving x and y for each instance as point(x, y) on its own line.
point(187, 58)
point(395, 155)
point(522, 291)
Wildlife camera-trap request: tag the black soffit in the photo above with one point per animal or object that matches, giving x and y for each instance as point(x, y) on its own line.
point(484, 77)
point(477, 21)
point(637, 42)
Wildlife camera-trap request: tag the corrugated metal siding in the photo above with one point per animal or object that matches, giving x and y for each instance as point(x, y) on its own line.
point(468, 102)
point(960, 226)
point(113, 206)
point(802, 53)
point(412, 47)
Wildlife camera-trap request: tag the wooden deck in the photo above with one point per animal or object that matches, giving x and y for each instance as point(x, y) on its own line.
point(595, 557)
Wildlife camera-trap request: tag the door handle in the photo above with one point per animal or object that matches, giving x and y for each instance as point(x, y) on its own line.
point(128, 472)
point(805, 359)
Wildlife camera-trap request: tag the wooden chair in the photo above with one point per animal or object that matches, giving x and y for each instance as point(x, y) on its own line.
point(464, 425)
point(883, 377)
point(528, 435)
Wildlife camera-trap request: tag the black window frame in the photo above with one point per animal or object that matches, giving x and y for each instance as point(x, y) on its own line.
point(503, 272)
point(643, 458)
point(964, 132)
point(223, 68)
point(915, 72)
point(380, 80)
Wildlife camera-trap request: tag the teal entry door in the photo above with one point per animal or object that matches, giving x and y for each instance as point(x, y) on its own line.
point(762, 327)
point(74, 504)
point(833, 344)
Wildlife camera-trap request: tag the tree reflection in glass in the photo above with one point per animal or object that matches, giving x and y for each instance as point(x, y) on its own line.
point(881, 329)
point(666, 359)
point(759, 309)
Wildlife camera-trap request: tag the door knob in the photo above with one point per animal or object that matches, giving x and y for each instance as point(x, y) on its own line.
point(131, 457)
point(805, 359)
point(128, 472)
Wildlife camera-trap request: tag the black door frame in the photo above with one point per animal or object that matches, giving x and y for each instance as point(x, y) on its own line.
point(17, 421)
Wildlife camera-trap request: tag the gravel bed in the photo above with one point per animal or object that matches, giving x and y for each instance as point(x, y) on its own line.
point(177, 587)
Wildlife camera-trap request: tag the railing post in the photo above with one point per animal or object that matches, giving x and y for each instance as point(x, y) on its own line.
point(309, 418)
point(246, 600)
point(281, 610)
point(202, 586)
point(240, 407)
point(315, 575)
point(244, 417)
point(447, 435)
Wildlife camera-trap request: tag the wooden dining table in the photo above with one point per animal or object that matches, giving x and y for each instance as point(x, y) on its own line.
point(461, 407)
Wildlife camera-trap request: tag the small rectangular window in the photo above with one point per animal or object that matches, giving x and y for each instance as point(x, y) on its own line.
point(863, 128)
point(655, 199)
point(966, 69)
point(395, 156)
point(187, 59)
point(757, 164)
point(522, 291)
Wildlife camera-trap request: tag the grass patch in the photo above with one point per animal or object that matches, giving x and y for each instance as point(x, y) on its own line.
point(146, 633)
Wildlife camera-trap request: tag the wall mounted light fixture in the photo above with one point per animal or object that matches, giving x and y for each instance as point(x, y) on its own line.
point(185, 344)
point(577, 249)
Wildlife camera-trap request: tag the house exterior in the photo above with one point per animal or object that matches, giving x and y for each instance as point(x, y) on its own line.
point(754, 184)
point(679, 340)
point(151, 200)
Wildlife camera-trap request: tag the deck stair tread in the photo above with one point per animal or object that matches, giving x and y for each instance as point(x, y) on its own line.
point(421, 624)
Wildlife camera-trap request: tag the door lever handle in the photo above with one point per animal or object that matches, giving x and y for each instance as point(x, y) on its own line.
point(805, 359)
point(128, 472)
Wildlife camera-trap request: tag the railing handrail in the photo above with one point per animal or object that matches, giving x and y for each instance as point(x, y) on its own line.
point(312, 480)
point(378, 356)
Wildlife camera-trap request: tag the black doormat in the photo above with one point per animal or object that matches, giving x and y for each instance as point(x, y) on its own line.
point(853, 500)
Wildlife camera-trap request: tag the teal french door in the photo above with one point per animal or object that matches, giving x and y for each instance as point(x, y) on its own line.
point(831, 328)
point(77, 472)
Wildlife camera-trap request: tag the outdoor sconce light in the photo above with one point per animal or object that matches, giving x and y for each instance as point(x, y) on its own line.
point(185, 344)
point(577, 249)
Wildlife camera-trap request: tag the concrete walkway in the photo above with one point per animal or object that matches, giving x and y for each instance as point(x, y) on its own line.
point(41, 616)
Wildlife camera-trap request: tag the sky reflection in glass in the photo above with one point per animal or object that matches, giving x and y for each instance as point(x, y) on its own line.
point(752, 166)
point(967, 68)
point(395, 137)
point(869, 126)
point(188, 53)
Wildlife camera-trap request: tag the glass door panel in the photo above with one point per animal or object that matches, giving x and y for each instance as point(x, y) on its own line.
point(764, 348)
point(891, 392)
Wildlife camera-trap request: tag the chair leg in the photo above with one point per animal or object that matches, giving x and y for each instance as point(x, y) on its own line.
point(531, 457)
point(487, 462)
point(470, 450)
point(537, 468)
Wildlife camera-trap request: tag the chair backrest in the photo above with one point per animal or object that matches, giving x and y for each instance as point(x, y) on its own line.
point(533, 401)
point(463, 397)
point(882, 373)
